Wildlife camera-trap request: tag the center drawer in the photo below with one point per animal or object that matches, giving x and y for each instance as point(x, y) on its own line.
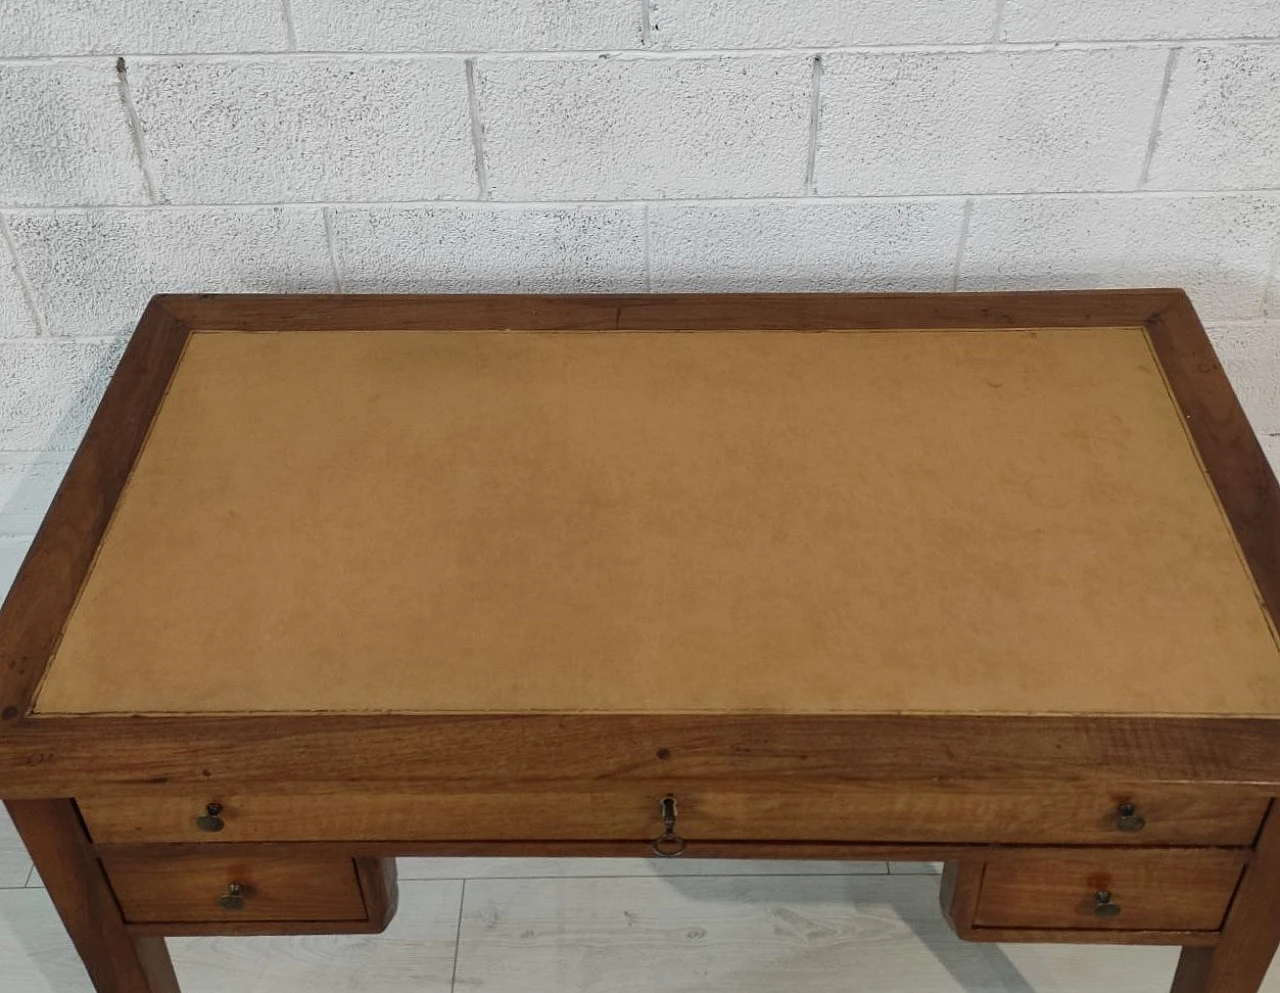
point(1168, 816)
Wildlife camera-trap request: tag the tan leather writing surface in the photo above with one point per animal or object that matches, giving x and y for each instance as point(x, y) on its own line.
point(1004, 522)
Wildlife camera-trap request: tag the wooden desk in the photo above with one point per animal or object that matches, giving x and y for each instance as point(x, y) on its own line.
point(987, 579)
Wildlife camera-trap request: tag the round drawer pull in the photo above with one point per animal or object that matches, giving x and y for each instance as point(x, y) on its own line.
point(1103, 907)
point(1128, 818)
point(668, 844)
point(211, 822)
point(233, 899)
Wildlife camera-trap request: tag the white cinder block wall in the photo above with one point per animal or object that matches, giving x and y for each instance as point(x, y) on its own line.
point(631, 145)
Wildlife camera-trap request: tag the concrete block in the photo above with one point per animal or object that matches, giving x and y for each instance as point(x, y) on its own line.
point(15, 317)
point(987, 122)
point(27, 485)
point(474, 26)
point(307, 129)
point(1105, 20)
point(819, 23)
point(109, 27)
point(779, 246)
point(92, 272)
point(497, 249)
point(1271, 445)
point(617, 128)
point(1217, 247)
point(50, 389)
point(66, 137)
point(1221, 123)
point(1250, 355)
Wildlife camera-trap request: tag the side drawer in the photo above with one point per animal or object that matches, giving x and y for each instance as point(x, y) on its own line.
point(1107, 891)
point(234, 890)
point(1129, 817)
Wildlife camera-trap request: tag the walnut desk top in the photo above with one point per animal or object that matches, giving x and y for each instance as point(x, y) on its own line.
point(636, 548)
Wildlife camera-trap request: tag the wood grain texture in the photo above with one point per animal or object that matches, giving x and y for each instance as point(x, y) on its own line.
point(1186, 890)
point(536, 849)
point(1192, 973)
point(320, 757)
point(1228, 447)
point(1094, 936)
point(1201, 815)
point(315, 754)
point(960, 885)
point(45, 589)
point(660, 312)
point(378, 887)
point(320, 754)
point(117, 962)
point(254, 929)
point(1251, 934)
point(381, 893)
point(160, 888)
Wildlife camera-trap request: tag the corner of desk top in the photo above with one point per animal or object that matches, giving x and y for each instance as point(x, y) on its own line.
point(49, 580)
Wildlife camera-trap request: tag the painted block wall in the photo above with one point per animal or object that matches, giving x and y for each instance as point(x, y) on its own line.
point(628, 145)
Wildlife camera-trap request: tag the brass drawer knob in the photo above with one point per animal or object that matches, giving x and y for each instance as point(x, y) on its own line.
point(1103, 905)
point(668, 844)
point(1128, 818)
point(233, 899)
point(211, 822)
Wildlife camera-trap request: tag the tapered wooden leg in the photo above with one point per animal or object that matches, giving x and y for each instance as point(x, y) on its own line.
point(117, 962)
point(1251, 935)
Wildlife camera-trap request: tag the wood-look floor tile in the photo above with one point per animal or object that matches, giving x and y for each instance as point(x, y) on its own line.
point(414, 955)
point(915, 868)
point(36, 956)
point(816, 934)
point(15, 866)
point(482, 868)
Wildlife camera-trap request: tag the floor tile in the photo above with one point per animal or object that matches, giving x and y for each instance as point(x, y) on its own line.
point(15, 865)
point(815, 934)
point(36, 956)
point(414, 955)
point(915, 868)
point(482, 868)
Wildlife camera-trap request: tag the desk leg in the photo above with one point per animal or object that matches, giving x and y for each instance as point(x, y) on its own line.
point(1251, 935)
point(117, 962)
